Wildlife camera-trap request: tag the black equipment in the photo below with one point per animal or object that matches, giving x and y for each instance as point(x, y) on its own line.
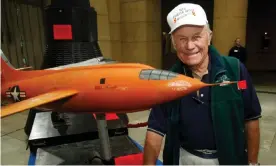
point(71, 37)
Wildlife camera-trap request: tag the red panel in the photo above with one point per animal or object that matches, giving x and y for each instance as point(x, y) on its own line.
point(62, 32)
point(134, 159)
point(109, 116)
point(242, 84)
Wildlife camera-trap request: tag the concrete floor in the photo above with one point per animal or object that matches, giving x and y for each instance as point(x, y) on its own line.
point(13, 145)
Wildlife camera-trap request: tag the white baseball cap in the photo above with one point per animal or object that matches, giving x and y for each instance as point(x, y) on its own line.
point(186, 14)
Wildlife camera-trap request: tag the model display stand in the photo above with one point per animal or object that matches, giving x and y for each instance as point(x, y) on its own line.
point(52, 128)
point(81, 139)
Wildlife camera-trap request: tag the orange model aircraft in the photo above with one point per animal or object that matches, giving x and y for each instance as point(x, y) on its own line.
point(103, 88)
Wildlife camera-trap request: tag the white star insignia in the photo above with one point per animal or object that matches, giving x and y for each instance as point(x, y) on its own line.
point(15, 94)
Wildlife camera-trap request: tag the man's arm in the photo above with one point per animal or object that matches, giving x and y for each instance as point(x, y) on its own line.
point(252, 113)
point(154, 136)
point(253, 140)
point(245, 55)
point(152, 147)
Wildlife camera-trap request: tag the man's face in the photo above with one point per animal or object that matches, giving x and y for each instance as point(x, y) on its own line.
point(191, 44)
point(238, 42)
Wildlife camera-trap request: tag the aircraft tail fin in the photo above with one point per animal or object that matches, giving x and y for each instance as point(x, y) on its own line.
point(8, 72)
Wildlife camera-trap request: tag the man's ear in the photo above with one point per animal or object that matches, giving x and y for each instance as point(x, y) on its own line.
point(172, 42)
point(210, 37)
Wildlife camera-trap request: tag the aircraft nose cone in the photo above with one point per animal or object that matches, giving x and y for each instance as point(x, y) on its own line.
point(174, 89)
point(184, 85)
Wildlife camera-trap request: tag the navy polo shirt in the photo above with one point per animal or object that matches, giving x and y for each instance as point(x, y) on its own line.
point(196, 123)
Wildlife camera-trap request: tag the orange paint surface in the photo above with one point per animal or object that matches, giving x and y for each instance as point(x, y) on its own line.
point(108, 88)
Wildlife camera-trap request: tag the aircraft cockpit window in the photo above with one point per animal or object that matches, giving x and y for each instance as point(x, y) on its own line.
point(150, 74)
point(155, 75)
point(172, 75)
point(145, 74)
point(164, 75)
point(146, 71)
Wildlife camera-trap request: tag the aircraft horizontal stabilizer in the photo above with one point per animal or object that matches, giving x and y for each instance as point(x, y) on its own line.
point(36, 101)
point(89, 62)
point(25, 68)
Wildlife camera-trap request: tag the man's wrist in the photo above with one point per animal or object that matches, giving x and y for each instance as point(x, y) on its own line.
point(254, 164)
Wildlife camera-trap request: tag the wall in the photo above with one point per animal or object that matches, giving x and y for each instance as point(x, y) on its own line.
point(229, 23)
point(129, 30)
point(114, 13)
point(103, 26)
point(141, 32)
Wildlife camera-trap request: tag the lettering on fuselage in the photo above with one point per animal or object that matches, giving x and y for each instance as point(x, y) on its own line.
point(15, 93)
point(179, 83)
point(99, 87)
point(179, 88)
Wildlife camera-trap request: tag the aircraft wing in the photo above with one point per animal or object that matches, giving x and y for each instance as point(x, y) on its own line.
point(89, 62)
point(36, 101)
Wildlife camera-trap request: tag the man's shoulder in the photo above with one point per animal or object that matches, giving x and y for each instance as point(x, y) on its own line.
point(229, 58)
point(229, 61)
point(233, 60)
point(235, 64)
point(232, 65)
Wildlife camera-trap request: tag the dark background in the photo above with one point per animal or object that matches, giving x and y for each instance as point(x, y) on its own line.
point(261, 18)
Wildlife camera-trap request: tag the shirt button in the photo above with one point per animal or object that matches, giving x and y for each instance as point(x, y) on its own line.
point(201, 95)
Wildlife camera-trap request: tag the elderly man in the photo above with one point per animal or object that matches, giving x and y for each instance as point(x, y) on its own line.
point(215, 125)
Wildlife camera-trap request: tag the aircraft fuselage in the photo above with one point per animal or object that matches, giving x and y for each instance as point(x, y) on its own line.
point(125, 88)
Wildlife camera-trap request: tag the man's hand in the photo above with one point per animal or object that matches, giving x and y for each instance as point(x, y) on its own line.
point(253, 140)
point(152, 147)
